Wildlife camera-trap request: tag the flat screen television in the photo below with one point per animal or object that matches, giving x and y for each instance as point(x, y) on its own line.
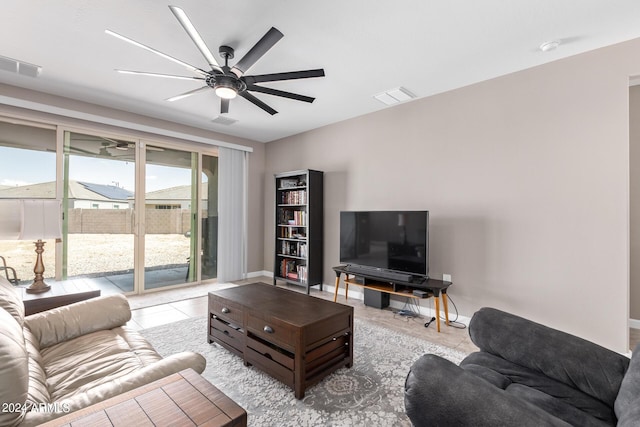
point(396, 241)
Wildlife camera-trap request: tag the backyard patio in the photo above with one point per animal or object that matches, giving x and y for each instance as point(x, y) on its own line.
point(92, 255)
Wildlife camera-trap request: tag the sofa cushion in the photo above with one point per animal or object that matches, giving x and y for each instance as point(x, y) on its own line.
point(11, 300)
point(74, 320)
point(557, 407)
point(566, 358)
point(82, 363)
point(627, 404)
point(14, 369)
point(38, 391)
point(558, 396)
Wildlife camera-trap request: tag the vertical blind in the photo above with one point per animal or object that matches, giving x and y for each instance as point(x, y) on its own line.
point(232, 215)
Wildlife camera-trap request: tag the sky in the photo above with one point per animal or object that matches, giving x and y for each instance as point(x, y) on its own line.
point(22, 167)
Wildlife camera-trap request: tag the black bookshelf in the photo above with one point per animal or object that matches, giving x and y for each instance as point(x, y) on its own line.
point(299, 223)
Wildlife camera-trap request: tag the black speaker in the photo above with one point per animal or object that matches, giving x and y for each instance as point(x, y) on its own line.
point(375, 298)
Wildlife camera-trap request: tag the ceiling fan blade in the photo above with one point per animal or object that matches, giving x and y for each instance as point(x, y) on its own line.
point(146, 73)
point(276, 92)
point(186, 94)
point(246, 95)
point(195, 36)
point(157, 52)
point(291, 75)
point(224, 105)
point(264, 44)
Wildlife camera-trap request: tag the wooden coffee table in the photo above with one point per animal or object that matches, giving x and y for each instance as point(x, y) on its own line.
point(182, 399)
point(296, 338)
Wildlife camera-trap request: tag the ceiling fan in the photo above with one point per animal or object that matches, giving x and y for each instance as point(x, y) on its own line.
point(87, 144)
point(228, 82)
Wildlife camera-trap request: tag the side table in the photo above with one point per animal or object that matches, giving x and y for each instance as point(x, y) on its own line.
point(60, 294)
point(185, 398)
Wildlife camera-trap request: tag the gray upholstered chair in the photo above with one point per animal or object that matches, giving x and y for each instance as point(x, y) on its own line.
point(525, 374)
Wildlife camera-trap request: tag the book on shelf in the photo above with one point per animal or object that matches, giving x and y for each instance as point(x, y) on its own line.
point(298, 249)
point(294, 270)
point(297, 197)
point(302, 273)
point(293, 217)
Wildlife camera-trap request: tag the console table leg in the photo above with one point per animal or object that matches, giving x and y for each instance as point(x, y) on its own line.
point(335, 293)
point(446, 308)
point(437, 311)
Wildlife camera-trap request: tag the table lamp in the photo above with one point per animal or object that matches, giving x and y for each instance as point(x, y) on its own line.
point(40, 219)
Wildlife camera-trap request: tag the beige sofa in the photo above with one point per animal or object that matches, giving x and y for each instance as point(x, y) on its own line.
point(61, 360)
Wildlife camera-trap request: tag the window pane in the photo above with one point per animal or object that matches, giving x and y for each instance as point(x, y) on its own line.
point(27, 161)
point(27, 171)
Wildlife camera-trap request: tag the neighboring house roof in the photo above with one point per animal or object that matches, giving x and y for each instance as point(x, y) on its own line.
point(181, 192)
point(109, 191)
point(43, 189)
point(77, 190)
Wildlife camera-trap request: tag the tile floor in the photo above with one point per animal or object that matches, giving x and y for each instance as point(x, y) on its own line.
point(169, 306)
point(148, 315)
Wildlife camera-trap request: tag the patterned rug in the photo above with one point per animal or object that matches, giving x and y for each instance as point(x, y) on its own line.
point(369, 394)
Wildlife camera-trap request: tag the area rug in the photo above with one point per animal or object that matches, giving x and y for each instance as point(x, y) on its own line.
point(369, 394)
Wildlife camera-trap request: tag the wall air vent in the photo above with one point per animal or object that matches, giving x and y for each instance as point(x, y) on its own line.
point(222, 120)
point(394, 96)
point(19, 67)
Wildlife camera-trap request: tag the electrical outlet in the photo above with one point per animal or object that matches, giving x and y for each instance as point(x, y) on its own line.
point(446, 278)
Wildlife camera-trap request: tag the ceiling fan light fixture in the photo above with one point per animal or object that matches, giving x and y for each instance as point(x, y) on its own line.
point(225, 92)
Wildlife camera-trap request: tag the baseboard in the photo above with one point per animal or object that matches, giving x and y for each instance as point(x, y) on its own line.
point(634, 323)
point(254, 274)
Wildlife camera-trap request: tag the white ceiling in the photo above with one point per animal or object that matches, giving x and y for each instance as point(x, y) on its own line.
point(364, 46)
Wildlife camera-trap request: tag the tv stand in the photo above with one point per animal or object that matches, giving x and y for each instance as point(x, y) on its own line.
point(377, 272)
point(434, 288)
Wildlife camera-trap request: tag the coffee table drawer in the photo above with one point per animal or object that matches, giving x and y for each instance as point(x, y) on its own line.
point(228, 310)
point(222, 331)
point(271, 367)
point(272, 330)
point(333, 326)
point(271, 352)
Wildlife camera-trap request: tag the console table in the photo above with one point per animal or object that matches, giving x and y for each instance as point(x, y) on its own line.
point(434, 288)
point(62, 293)
point(296, 338)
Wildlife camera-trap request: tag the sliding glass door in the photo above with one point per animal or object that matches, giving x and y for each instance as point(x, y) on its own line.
point(27, 171)
point(98, 205)
point(209, 203)
point(170, 211)
point(138, 215)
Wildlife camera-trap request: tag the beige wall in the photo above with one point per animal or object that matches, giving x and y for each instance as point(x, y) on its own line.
point(634, 189)
point(525, 177)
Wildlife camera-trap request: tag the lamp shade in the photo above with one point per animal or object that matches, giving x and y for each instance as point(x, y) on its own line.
point(41, 219)
point(10, 219)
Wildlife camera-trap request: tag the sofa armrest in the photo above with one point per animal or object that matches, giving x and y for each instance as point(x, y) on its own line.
point(150, 373)
point(566, 358)
point(71, 321)
point(440, 393)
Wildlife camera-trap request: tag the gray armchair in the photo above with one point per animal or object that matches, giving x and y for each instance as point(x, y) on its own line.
point(525, 374)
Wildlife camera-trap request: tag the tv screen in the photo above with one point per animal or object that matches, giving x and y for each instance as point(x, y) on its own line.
point(391, 240)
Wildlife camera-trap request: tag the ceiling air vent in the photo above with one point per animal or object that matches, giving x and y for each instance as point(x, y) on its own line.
point(394, 96)
point(221, 120)
point(22, 68)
